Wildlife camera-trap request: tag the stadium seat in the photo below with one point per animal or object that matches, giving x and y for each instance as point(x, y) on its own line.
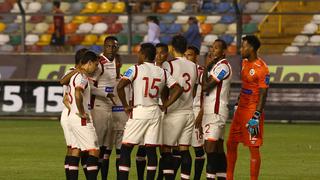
point(84, 28)
point(99, 28)
point(209, 39)
point(5, 7)
point(122, 39)
point(219, 28)
point(142, 28)
point(227, 19)
point(95, 19)
point(12, 27)
point(47, 7)
point(265, 6)
point(208, 7)
point(105, 7)
point(123, 19)
point(16, 9)
point(34, 48)
point(114, 28)
point(310, 28)
point(33, 7)
point(250, 28)
point(201, 19)
point(123, 49)
point(307, 50)
point(314, 40)
point(136, 49)
point(246, 19)
point(76, 7)
point(74, 39)
point(300, 40)
point(317, 50)
point(138, 19)
point(182, 20)
point(15, 40)
point(137, 39)
point(212, 19)
point(79, 19)
point(101, 39)
point(37, 19)
point(41, 28)
point(4, 38)
point(2, 27)
point(178, 7)
point(49, 19)
point(65, 6)
point(89, 39)
point(96, 48)
point(70, 28)
point(227, 38)
point(6, 48)
point(205, 28)
point(174, 29)
point(291, 50)
point(232, 28)
point(7, 19)
point(119, 7)
point(163, 27)
point(223, 7)
point(51, 29)
point(31, 39)
point(29, 27)
point(316, 19)
point(185, 27)
point(169, 18)
point(257, 18)
point(45, 40)
point(90, 7)
point(19, 18)
point(203, 49)
point(252, 7)
point(165, 39)
point(164, 7)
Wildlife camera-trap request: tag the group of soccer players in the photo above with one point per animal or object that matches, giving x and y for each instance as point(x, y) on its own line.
point(162, 104)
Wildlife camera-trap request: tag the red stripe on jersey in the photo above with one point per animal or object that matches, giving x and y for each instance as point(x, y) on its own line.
point(165, 76)
point(217, 104)
point(228, 65)
point(135, 73)
point(171, 67)
point(102, 68)
point(93, 97)
point(103, 59)
point(132, 101)
point(74, 79)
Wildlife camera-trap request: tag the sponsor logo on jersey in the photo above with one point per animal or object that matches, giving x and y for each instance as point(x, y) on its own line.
point(117, 108)
point(251, 72)
point(109, 89)
point(221, 74)
point(128, 73)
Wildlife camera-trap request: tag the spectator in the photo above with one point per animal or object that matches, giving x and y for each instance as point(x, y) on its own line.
point(58, 35)
point(193, 35)
point(154, 30)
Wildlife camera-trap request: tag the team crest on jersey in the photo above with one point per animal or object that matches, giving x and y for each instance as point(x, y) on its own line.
point(251, 72)
point(128, 73)
point(267, 79)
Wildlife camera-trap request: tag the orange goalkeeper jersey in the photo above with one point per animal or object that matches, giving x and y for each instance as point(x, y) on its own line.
point(254, 75)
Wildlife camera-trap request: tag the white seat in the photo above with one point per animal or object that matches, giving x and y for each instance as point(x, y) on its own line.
point(203, 49)
point(212, 19)
point(31, 39)
point(122, 19)
point(178, 7)
point(142, 28)
point(19, 18)
point(182, 19)
point(123, 49)
point(16, 9)
point(209, 39)
point(138, 19)
point(41, 28)
point(232, 28)
point(4, 38)
point(99, 28)
point(310, 28)
point(85, 28)
point(314, 40)
point(65, 6)
point(33, 7)
point(291, 50)
point(7, 48)
point(300, 40)
point(316, 19)
point(252, 7)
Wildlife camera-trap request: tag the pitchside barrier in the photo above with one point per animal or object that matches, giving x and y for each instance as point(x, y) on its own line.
point(290, 101)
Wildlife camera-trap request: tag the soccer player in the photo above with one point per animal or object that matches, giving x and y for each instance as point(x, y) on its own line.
point(162, 54)
point(65, 112)
point(179, 120)
point(192, 54)
point(213, 115)
point(104, 81)
point(247, 124)
point(147, 82)
point(83, 134)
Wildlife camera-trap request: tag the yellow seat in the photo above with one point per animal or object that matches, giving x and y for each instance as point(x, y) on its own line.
point(2, 26)
point(89, 40)
point(45, 40)
point(91, 7)
point(201, 19)
point(119, 7)
point(101, 39)
point(80, 19)
point(105, 7)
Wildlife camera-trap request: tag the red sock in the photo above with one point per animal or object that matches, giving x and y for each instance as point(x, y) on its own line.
point(255, 162)
point(232, 151)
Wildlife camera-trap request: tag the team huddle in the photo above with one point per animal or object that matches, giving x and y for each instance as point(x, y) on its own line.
point(162, 104)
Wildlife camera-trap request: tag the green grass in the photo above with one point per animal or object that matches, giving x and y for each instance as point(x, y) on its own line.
point(35, 150)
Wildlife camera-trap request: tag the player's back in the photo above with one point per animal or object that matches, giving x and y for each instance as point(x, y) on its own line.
point(185, 73)
point(254, 75)
point(79, 81)
point(148, 84)
point(196, 100)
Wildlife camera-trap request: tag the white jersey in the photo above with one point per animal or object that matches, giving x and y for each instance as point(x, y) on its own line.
point(104, 80)
point(81, 81)
point(196, 100)
point(185, 73)
point(217, 100)
point(148, 81)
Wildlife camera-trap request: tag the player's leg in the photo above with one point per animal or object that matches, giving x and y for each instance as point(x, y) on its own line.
point(105, 163)
point(168, 171)
point(222, 161)
point(160, 169)
point(125, 161)
point(255, 162)
point(151, 152)
point(117, 142)
point(199, 162)
point(84, 158)
point(176, 159)
point(141, 161)
point(107, 144)
point(118, 152)
point(74, 164)
point(212, 158)
point(66, 161)
point(67, 134)
point(92, 164)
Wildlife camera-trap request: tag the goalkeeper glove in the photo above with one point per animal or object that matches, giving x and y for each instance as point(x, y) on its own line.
point(253, 124)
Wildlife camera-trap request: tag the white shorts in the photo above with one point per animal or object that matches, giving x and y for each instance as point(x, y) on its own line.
point(177, 128)
point(213, 126)
point(144, 126)
point(65, 126)
point(197, 137)
point(83, 137)
point(102, 121)
point(117, 136)
point(119, 118)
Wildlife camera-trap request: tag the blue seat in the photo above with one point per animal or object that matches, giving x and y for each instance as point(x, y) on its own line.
point(208, 7)
point(227, 19)
point(95, 48)
point(11, 28)
point(163, 28)
point(165, 39)
point(223, 7)
point(174, 29)
point(317, 50)
point(227, 38)
point(168, 18)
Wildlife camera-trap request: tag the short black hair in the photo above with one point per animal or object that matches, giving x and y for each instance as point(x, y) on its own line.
point(253, 41)
point(56, 4)
point(153, 19)
point(194, 49)
point(223, 43)
point(163, 45)
point(79, 54)
point(89, 56)
point(110, 38)
point(179, 43)
point(149, 51)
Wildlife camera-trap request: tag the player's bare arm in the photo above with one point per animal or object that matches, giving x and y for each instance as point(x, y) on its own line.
point(79, 103)
point(66, 78)
point(66, 101)
point(122, 94)
point(263, 92)
point(175, 93)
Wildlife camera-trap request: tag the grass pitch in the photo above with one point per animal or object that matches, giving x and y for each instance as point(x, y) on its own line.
point(35, 150)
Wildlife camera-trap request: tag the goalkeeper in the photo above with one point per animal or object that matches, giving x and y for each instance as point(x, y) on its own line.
point(247, 124)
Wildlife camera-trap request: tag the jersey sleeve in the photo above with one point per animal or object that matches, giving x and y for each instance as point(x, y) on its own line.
point(166, 66)
point(170, 80)
point(81, 81)
point(220, 72)
point(264, 77)
point(130, 73)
